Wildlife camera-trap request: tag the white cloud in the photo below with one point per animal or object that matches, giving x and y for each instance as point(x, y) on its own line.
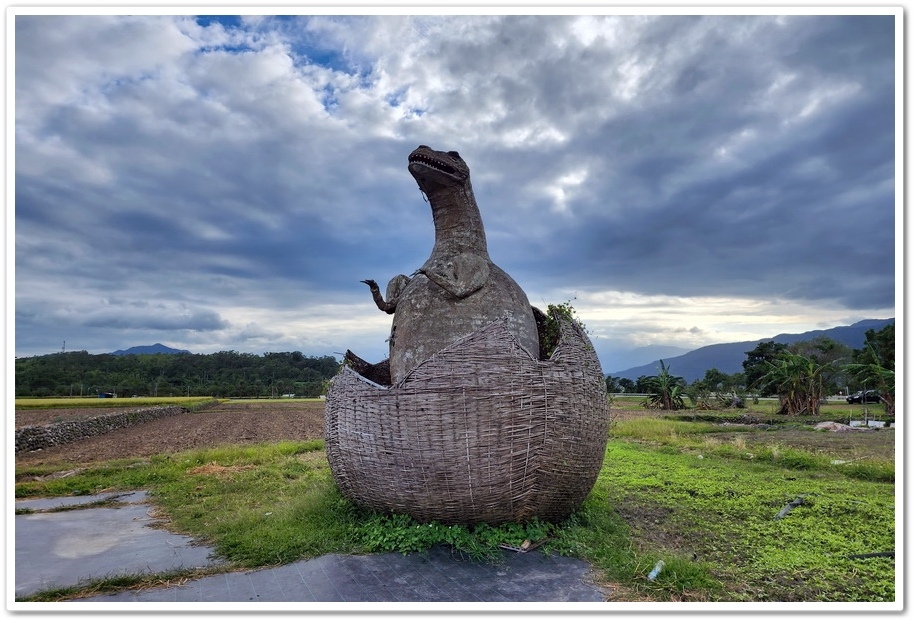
point(248, 177)
point(633, 320)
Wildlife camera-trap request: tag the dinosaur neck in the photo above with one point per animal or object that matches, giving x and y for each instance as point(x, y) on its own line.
point(459, 228)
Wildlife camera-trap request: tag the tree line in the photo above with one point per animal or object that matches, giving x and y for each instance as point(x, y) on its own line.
point(222, 374)
point(801, 375)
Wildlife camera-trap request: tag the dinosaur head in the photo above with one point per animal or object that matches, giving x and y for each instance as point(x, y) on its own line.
point(437, 170)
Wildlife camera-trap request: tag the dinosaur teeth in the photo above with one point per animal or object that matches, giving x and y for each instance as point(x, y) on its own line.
point(433, 164)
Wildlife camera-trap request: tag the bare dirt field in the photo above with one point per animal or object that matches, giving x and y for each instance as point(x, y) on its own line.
point(248, 422)
point(226, 423)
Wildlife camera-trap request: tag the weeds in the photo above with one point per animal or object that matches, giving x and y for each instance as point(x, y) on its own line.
point(400, 533)
point(119, 583)
point(697, 496)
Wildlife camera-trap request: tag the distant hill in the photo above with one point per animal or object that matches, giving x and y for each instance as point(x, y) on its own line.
point(728, 358)
point(155, 349)
point(618, 359)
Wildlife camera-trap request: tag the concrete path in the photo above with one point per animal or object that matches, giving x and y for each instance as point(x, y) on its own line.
point(65, 548)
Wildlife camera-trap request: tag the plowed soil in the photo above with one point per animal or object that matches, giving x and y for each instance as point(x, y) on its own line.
point(226, 423)
point(271, 421)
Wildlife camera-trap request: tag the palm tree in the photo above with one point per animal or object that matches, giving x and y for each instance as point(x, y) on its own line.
point(799, 380)
point(666, 391)
point(874, 374)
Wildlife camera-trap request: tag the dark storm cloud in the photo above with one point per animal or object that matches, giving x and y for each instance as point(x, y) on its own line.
point(671, 217)
point(156, 318)
point(245, 174)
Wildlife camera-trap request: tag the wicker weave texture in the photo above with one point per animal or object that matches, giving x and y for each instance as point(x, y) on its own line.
point(480, 432)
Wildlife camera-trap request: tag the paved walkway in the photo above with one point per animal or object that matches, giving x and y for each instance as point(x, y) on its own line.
point(67, 547)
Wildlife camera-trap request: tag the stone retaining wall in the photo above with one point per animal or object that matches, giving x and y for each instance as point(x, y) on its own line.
point(29, 438)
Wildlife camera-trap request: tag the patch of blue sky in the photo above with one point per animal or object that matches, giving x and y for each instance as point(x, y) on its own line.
point(304, 45)
point(329, 99)
point(335, 61)
point(303, 52)
point(395, 99)
point(226, 21)
point(240, 48)
point(240, 38)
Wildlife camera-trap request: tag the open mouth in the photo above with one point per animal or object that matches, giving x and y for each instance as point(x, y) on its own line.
point(434, 164)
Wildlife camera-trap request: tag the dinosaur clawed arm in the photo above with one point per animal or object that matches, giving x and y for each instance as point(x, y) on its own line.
point(376, 294)
point(395, 286)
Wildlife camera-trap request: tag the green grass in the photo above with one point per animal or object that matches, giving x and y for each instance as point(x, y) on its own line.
point(721, 513)
point(669, 490)
point(108, 403)
point(705, 438)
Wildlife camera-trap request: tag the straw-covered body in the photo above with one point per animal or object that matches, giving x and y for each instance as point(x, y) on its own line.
point(482, 431)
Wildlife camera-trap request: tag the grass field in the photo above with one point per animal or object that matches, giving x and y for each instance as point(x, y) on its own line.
point(702, 497)
point(836, 408)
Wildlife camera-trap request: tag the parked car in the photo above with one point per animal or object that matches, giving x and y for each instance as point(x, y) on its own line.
point(870, 395)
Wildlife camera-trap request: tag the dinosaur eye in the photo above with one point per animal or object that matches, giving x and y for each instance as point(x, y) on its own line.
point(454, 153)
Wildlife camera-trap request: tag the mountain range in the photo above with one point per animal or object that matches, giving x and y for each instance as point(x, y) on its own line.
point(691, 365)
point(727, 358)
point(155, 349)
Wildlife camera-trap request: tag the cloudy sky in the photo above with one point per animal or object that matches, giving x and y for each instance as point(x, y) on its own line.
point(225, 184)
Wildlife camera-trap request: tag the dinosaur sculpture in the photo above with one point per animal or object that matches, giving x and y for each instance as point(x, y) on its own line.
point(459, 289)
point(486, 410)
